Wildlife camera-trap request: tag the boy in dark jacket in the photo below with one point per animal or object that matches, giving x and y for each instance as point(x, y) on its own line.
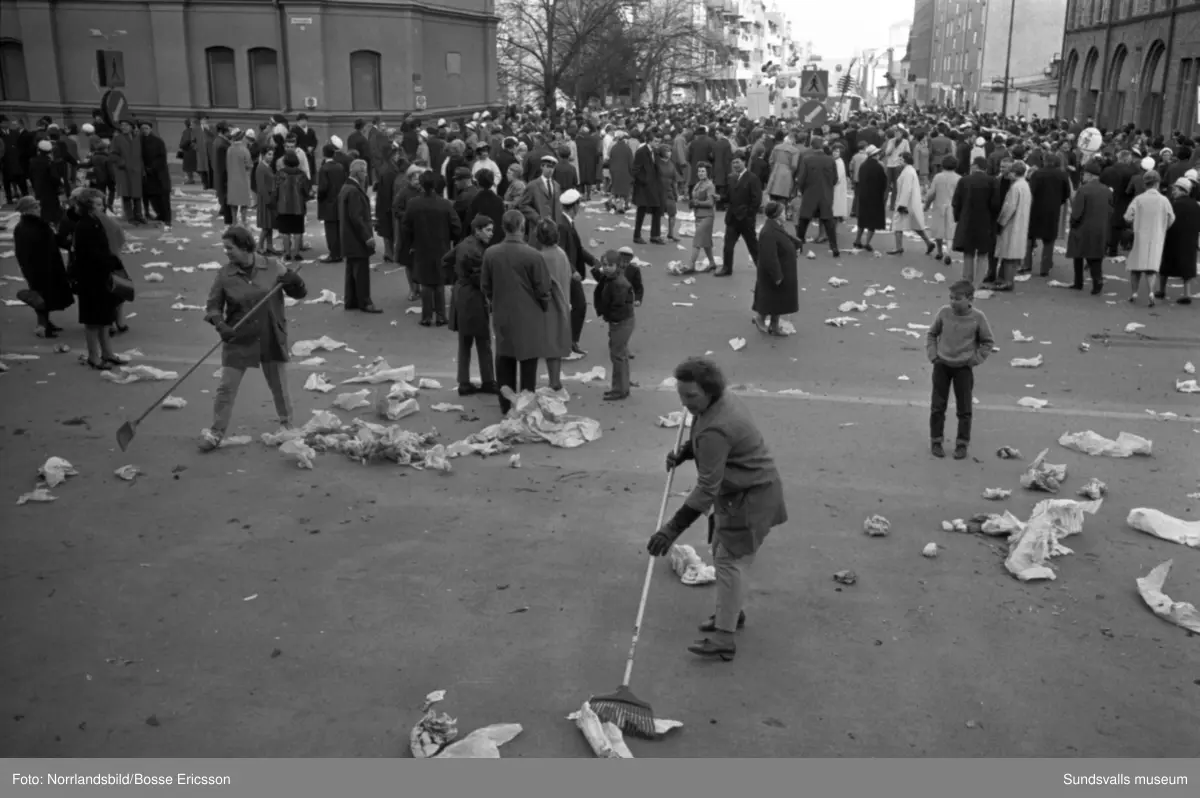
point(618, 291)
point(959, 340)
point(103, 173)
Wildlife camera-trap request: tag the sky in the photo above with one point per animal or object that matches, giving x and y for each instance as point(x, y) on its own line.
point(839, 29)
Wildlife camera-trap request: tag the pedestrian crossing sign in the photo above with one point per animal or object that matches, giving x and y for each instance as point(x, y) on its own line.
point(815, 84)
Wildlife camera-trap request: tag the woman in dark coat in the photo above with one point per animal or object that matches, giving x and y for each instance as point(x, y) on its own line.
point(620, 172)
point(469, 309)
point(92, 264)
point(40, 260)
point(429, 229)
point(156, 174)
point(187, 151)
point(777, 289)
point(587, 150)
point(1051, 188)
point(291, 204)
point(1179, 249)
point(871, 195)
point(45, 182)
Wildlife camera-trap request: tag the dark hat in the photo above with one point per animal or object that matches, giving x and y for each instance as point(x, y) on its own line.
point(462, 173)
point(1093, 167)
point(481, 221)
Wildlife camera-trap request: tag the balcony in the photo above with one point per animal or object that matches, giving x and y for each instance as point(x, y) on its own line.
point(714, 5)
point(732, 9)
point(731, 39)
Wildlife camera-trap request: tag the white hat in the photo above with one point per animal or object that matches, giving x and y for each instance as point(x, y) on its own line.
point(871, 150)
point(1147, 163)
point(88, 128)
point(336, 142)
point(1192, 175)
point(45, 145)
point(549, 159)
point(424, 135)
point(476, 116)
point(441, 123)
point(625, 251)
point(470, 126)
point(569, 197)
point(486, 115)
point(979, 142)
point(1184, 184)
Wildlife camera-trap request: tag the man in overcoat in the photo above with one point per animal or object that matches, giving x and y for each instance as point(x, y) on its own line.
point(1090, 226)
point(647, 190)
point(815, 181)
point(357, 238)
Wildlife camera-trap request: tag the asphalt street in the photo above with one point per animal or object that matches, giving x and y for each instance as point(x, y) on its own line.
point(231, 604)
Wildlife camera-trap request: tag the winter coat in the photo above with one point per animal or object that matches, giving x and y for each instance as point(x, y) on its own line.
point(1150, 214)
point(1090, 222)
point(204, 149)
point(871, 193)
point(517, 284)
point(471, 316)
point(701, 150)
point(127, 157)
point(383, 200)
point(264, 191)
point(556, 338)
point(1179, 247)
point(908, 196)
point(41, 264)
point(45, 186)
point(938, 196)
point(330, 179)
point(588, 148)
point(354, 220)
point(156, 167)
point(647, 185)
point(92, 262)
point(238, 168)
point(1013, 240)
point(487, 203)
point(784, 160)
point(620, 169)
point(976, 204)
point(815, 182)
point(777, 289)
point(722, 162)
point(291, 191)
point(187, 150)
point(263, 337)
point(428, 230)
point(1051, 188)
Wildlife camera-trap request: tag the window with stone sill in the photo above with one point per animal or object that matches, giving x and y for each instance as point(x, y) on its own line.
point(222, 77)
point(14, 83)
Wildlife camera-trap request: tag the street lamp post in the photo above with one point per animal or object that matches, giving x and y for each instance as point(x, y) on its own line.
point(1012, 17)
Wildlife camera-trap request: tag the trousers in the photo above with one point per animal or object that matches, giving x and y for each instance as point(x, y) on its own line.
point(483, 350)
point(433, 302)
point(1094, 269)
point(829, 225)
point(231, 379)
point(161, 205)
point(733, 583)
point(507, 369)
point(579, 308)
point(735, 229)
point(1047, 254)
point(962, 380)
point(132, 209)
point(333, 239)
point(619, 334)
point(358, 283)
point(655, 222)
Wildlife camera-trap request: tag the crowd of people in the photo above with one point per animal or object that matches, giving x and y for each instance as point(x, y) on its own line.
point(467, 204)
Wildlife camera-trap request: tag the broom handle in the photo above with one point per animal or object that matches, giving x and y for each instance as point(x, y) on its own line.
point(662, 512)
point(209, 353)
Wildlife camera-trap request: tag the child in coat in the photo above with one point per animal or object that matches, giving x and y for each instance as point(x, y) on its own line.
point(618, 291)
point(958, 341)
point(103, 174)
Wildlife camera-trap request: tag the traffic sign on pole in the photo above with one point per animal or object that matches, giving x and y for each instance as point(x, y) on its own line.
point(813, 113)
point(114, 107)
point(815, 84)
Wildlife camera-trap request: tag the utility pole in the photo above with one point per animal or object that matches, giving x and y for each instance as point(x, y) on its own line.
point(1012, 17)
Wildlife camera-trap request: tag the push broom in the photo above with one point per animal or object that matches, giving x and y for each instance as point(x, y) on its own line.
point(622, 708)
point(129, 428)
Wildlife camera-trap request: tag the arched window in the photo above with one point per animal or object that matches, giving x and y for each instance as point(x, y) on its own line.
point(222, 78)
point(14, 85)
point(264, 79)
point(365, 89)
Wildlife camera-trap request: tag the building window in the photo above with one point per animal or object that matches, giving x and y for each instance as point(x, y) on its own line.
point(264, 79)
point(1141, 7)
point(14, 85)
point(1122, 8)
point(365, 94)
point(453, 63)
point(222, 78)
point(1184, 97)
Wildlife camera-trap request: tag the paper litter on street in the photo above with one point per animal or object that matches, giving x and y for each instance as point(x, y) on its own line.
point(909, 273)
point(1187, 386)
point(154, 277)
point(353, 401)
point(836, 281)
point(1133, 326)
point(737, 344)
point(128, 374)
point(841, 321)
point(317, 382)
point(851, 305)
point(326, 297)
point(1042, 475)
point(1167, 416)
point(128, 472)
point(606, 739)
point(435, 735)
point(1020, 337)
point(425, 383)
point(55, 471)
point(1189, 368)
point(174, 403)
point(689, 566)
point(1032, 402)
point(1088, 442)
point(36, 495)
point(185, 306)
point(1026, 362)
point(1093, 489)
point(312, 361)
point(445, 407)
point(877, 526)
point(298, 450)
point(1161, 525)
point(1052, 520)
point(596, 373)
point(1180, 613)
point(674, 419)
point(996, 494)
point(306, 348)
point(909, 333)
point(379, 372)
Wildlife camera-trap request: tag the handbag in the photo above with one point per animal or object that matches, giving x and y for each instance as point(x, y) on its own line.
point(120, 286)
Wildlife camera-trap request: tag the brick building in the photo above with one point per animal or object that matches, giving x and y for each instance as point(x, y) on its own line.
point(1132, 61)
point(242, 60)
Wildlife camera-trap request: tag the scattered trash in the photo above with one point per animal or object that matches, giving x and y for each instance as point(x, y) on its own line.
point(786, 327)
point(690, 568)
point(1187, 386)
point(174, 403)
point(1180, 613)
point(903, 378)
point(597, 373)
point(1189, 368)
point(909, 273)
point(605, 738)
point(841, 321)
point(1026, 362)
point(154, 277)
point(1058, 284)
point(379, 372)
point(306, 348)
point(850, 305)
point(1085, 347)
point(299, 451)
point(957, 525)
point(737, 344)
point(326, 297)
point(1126, 444)
point(445, 407)
point(910, 333)
point(425, 383)
point(129, 374)
point(1032, 403)
point(128, 472)
point(674, 419)
point(1161, 525)
point(998, 525)
point(395, 409)
point(1052, 520)
point(811, 255)
point(683, 304)
point(845, 577)
point(435, 735)
point(37, 495)
point(877, 526)
point(1008, 453)
point(837, 281)
point(55, 471)
point(317, 382)
point(1133, 326)
point(930, 550)
point(938, 277)
point(996, 494)
point(514, 461)
point(353, 401)
point(1168, 416)
point(1093, 489)
point(669, 383)
point(312, 361)
point(1043, 476)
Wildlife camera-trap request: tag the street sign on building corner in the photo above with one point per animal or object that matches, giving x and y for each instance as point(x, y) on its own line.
point(814, 84)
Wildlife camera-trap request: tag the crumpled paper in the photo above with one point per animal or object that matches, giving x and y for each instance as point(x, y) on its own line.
point(353, 401)
point(425, 383)
point(396, 409)
point(55, 471)
point(1088, 442)
point(317, 382)
point(128, 472)
point(1021, 338)
point(690, 567)
point(1093, 489)
point(299, 451)
point(1032, 402)
point(128, 374)
point(605, 738)
point(326, 297)
point(673, 419)
point(851, 305)
point(1187, 386)
point(877, 526)
point(1161, 525)
point(1180, 613)
point(597, 373)
point(174, 403)
point(1052, 521)
point(737, 344)
point(1042, 475)
point(930, 550)
point(37, 495)
point(306, 348)
point(956, 525)
point(445, 407)
point(365, 442)
point(402, 390)
point(532, 418)
point(996, 525)
point(1026, 362)
point(379, 371)
point(836, 281)
point(996, 494)
point(840, 321)
point(434, 735)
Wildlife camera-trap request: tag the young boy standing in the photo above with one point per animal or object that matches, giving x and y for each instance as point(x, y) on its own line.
point(958, 341)
point(615, 299)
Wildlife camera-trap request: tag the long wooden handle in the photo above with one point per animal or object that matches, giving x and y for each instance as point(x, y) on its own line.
point(662, 513)
point(258, 305)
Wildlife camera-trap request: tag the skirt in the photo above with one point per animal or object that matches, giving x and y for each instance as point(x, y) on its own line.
point(266, 217)
point(289, 224)
point(703, 238)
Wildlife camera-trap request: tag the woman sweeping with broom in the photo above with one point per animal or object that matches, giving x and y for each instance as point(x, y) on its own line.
point(737, 478)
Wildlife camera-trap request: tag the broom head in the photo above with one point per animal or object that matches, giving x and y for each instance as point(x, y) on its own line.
point(627, 712)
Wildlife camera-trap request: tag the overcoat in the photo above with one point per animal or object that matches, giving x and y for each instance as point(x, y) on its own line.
point(1051, 188)
point(516, 282)
point(127, 162)
point(1091, 221)
point(263, 338)
point(871, 193)
point(776, 292)
point(976, 204)
point(1013, 241)
point(41, 264)
point(428, 230)
point(620, 169)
